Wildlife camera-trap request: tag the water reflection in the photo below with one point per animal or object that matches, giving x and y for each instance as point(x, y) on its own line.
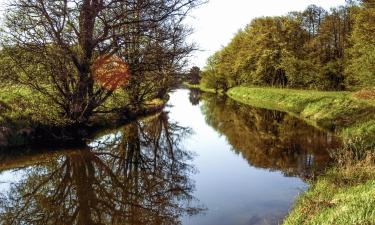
point(140, 174)
point(136, 175)
point(195, 96)
point(269, 139)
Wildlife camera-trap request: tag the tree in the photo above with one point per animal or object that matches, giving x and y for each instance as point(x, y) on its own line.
point(54, 44)
point(312, 18)
point(361, 69)
point(194, 75)
point(211, 76)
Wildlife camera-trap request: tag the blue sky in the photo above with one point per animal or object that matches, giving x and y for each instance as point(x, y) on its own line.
point(217, 21)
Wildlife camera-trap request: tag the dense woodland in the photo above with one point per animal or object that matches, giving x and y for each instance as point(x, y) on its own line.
point(313, 49)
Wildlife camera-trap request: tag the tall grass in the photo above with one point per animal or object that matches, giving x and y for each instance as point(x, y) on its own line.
point(343, 195)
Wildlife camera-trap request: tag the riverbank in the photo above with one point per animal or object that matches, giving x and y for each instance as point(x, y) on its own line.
point(344, 194)
point(341, 196)
point(202, 88)
point(348, 115)
point(344, 112)
point(27, 119)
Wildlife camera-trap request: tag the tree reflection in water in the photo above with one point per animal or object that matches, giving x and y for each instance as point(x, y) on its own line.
point(195, 96)
point(137, 175)
point(269, 139)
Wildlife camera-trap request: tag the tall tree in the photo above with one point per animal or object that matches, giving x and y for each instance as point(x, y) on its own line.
point(54, 44)
point(361, 69)
point(194, 75)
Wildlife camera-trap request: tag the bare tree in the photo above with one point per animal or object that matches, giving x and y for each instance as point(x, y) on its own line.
point(54, 44)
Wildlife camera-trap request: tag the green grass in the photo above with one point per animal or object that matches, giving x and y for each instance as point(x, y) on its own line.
point(350, 116)
point(327, 204)
point(342, 196)
point(201, 87)
point(22, 106)
point(345, 193)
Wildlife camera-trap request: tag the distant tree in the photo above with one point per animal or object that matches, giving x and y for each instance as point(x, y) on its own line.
point(194, 75)
point(211, 76)
point(312, 18)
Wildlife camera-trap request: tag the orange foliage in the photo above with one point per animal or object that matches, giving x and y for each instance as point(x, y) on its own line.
point(365, 94)
point(111, 72)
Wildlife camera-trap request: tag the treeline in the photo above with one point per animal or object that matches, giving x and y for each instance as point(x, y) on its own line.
point(313, 49)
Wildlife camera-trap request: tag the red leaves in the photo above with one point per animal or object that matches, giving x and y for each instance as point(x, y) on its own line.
point(111, 72)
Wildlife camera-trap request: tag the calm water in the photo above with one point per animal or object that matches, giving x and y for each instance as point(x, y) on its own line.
point(204, 160)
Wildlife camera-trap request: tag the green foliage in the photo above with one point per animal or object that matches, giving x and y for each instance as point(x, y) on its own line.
point(24, 107)
point(313, 49)
point(361, 69)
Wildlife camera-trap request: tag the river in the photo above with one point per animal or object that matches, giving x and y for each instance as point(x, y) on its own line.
point(204, 160)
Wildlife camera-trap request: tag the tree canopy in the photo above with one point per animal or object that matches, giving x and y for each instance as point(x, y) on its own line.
point(314, 49)
point(53, 48)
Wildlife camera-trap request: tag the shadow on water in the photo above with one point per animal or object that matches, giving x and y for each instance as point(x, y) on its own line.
point(138, 174)
point(268, 139)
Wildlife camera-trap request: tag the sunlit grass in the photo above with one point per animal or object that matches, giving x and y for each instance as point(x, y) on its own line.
point(340, 110)
point(327, 203)
point(343, 195)
point(23, 106)
point(202, 88)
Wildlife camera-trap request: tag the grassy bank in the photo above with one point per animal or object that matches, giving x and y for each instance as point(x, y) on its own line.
point(348, 115)
point(331, 202)
point(23, 107)
point(202, 88)
point(345, 193)
point(20, 105)
point(26, 116)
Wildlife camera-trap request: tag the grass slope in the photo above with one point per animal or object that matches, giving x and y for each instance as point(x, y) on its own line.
point(351, 116)
point(23, 106)
point(342, 196)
